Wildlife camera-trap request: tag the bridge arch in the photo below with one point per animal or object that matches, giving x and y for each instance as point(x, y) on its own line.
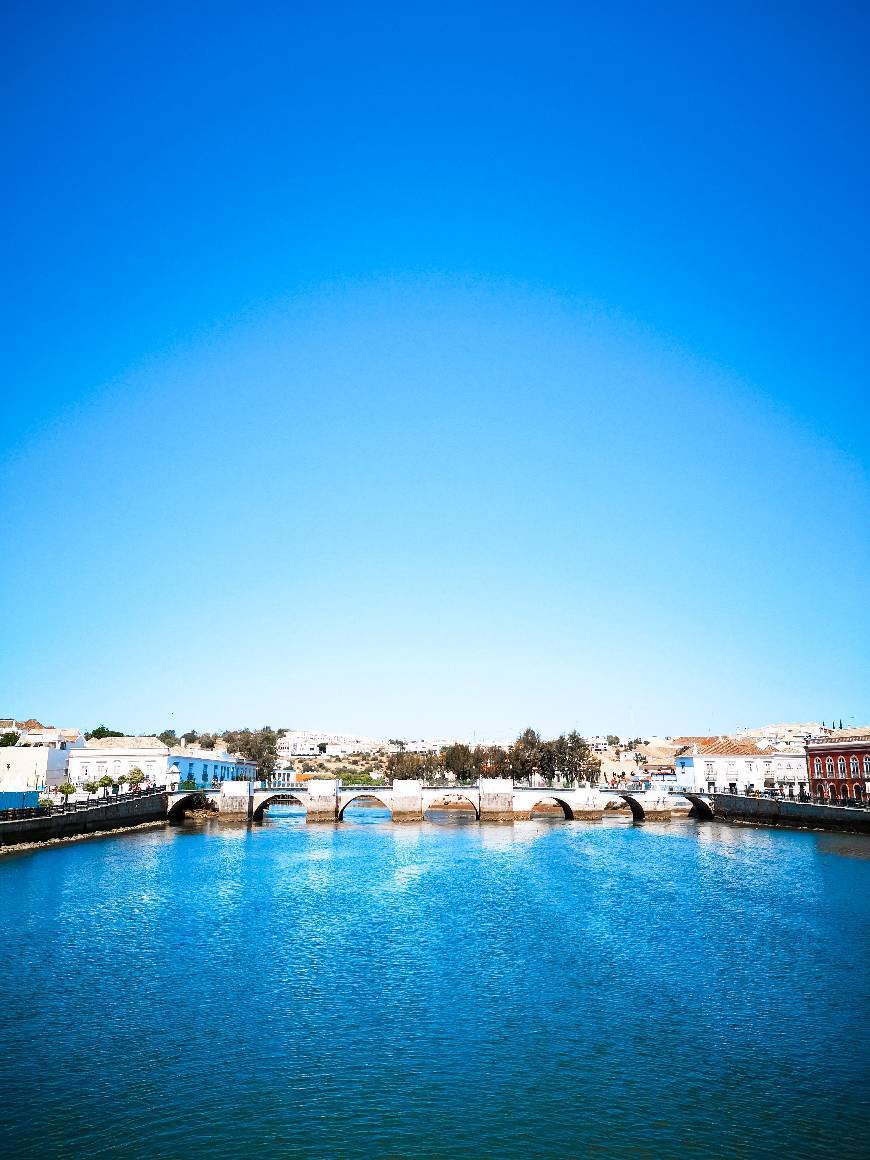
point(637, 810)
point(551, 799)
point(286, 797)
point(364, 795)
point(448, 797)
point(701, 807)
point(195, 799)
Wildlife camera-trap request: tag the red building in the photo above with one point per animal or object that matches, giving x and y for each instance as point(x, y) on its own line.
point(838, 767)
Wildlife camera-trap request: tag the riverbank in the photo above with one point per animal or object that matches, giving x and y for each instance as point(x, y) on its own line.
point(781, 812)
point(104, 816)
point(23, 847)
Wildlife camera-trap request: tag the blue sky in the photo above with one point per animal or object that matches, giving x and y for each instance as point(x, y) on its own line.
point(436, 369)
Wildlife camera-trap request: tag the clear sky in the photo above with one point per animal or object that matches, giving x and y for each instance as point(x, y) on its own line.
point(435, 368)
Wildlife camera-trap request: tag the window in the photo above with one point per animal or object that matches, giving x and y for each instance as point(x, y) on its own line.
point(190, 767)
point(853, 766)
point(817, 766)
point(708, 766)
point(867, 765)
point(841, 767)
point(829, 766)
point(116, 768)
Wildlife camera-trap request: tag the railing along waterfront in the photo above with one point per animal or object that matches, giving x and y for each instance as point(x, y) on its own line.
point(76, 807)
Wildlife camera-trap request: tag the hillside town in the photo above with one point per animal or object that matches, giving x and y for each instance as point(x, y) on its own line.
point(804, 761)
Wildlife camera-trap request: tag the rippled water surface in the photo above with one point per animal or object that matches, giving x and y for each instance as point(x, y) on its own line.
point(535, 990)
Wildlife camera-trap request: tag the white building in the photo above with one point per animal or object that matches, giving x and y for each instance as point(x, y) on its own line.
point(39, 758)
point(315, 743)
point(785, 733)
point(730, 765)
point(117, 756)
point(597, 744)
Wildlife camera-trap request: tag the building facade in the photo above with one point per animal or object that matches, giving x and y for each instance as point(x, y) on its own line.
point(314, 743)
point(206, 767)
point(39, 758)
point(116, 757)
point(728, 765)
point(838, 767)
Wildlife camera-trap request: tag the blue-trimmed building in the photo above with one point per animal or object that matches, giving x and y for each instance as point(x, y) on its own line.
point(206, 767)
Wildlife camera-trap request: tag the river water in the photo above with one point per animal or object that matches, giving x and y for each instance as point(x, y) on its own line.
point(543, 989)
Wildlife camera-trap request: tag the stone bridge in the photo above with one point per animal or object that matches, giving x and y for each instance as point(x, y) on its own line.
point(493, 800)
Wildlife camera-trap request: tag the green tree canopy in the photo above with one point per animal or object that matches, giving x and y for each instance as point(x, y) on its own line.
point(103, 731)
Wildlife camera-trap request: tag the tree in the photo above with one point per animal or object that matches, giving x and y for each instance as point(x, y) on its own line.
point(66, 788)
point(8, 739)
point(581, 764)
point(119, 781)
point(135, 777)
point(524, 755)
point(491, 761)
point(207, 741)
point(190, 736)
point(105, 782)
point(168, 737)
point(90, 787)
point(102, 731)
point(458, 760)
point(612, 740)
point(397, 743)
point(551, 759)
point(403, 766)
point(260, 747)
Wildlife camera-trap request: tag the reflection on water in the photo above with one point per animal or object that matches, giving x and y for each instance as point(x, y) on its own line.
point(441, 989)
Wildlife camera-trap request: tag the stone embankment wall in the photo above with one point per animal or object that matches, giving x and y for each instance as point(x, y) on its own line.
point(111, 816)
point(800, 815)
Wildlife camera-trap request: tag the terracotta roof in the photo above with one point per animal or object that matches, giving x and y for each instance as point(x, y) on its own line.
point(125, 743)
point(842, 737)
point(729, 747)
point(681, 741)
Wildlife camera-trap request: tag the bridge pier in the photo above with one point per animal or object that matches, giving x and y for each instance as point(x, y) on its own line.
point(407, 801)
point(322, 802)
point(235, 800)
point(496, 799)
